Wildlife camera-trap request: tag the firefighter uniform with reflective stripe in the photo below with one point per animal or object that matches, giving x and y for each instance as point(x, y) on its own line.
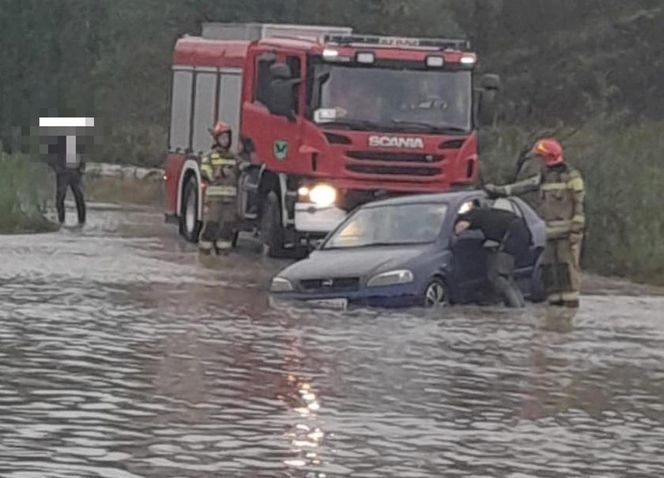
point(219, 171)
point(561, 196)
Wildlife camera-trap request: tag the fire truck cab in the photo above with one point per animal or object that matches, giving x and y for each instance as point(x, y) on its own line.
point(326, 120)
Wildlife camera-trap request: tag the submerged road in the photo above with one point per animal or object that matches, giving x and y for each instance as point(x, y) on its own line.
point(123, 355)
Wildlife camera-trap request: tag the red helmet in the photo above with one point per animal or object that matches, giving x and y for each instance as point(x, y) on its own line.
point(220, 128)
point(549, 149)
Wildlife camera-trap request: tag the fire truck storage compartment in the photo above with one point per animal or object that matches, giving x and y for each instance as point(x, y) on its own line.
point(259, 31)
point(200, 97)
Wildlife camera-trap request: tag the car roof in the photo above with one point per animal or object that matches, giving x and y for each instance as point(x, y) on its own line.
point(448, 197)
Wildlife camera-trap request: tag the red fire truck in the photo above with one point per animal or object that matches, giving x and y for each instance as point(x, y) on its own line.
point(327, 120)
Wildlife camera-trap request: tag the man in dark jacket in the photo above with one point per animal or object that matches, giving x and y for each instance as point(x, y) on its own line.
point(510, 237)
point(68, 167)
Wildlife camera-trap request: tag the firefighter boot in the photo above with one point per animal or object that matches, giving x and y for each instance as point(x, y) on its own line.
point(222, 247)
point(204, 247)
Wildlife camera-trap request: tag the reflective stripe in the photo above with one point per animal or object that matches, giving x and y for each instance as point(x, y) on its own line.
point(554, 298)
point(569, 296)
point(221, 191)
point(578, 218)
point(554, 186)
point(554, 224)
point(557, 232)
point(575, 184)
point(223, 162)
point(524, 186)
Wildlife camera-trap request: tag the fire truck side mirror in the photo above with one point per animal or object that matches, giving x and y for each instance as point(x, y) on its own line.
point(488, 99)
point(486, 109)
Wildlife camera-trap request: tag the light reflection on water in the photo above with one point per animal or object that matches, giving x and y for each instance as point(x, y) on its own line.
point(123, 355)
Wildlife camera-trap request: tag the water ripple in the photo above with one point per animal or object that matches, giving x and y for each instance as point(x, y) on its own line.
point(123, 356)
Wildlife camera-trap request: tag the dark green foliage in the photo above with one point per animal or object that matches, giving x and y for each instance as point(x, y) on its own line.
point(594, 66)
point(624, 175)
point(24, 185)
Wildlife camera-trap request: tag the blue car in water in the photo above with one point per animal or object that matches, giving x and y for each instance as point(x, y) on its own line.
point(403, 252)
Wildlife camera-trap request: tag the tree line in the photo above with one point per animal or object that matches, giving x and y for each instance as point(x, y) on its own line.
point(559, 61)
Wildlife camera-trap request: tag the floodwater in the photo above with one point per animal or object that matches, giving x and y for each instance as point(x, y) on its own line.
point(123, 355)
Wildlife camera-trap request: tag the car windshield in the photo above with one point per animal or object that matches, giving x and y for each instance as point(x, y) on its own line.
point(400, 100)
point(390, 225)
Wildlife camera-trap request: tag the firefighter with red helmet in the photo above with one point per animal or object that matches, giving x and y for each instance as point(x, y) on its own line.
point(219, 170)
point(561, 194)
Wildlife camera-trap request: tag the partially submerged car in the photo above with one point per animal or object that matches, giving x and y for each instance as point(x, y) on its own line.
point(403, 252)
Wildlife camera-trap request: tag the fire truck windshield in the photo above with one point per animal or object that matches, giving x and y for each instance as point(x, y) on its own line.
point(370, 98)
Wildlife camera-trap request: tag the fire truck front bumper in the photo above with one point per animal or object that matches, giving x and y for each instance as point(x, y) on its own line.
point(314, 219)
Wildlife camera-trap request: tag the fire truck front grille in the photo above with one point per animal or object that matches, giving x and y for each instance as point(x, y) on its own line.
point(398, 157)
point(394, 170)
point(394, 164)
point(340, 284)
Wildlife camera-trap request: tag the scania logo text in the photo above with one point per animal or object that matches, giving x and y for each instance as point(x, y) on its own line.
point(395, 142)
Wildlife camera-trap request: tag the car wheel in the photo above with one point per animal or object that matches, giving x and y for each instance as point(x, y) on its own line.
point(435, 294)
point(272, 231)
point(190, 223)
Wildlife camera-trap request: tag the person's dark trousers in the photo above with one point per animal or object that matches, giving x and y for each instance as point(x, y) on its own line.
point(69, 179)
point(502, 261)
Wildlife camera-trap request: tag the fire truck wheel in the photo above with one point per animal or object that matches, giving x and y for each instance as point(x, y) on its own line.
point(272, 231)
point(190, 224)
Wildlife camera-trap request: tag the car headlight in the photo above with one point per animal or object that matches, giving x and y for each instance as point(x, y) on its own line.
point(279, 284)
point(323, 195)
point(391, 278)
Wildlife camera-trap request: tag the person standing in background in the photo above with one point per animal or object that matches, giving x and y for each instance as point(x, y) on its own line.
point(69, 167)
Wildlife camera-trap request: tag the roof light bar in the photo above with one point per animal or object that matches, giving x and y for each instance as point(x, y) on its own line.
point(435, 43)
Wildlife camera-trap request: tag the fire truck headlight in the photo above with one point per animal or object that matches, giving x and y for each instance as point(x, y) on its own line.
point(365, 57)
point(330, 54)
point(322, 195)
point(435, 61)
point(468, 60)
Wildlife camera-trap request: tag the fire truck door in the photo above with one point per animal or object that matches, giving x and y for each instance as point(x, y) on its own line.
point(276, 138)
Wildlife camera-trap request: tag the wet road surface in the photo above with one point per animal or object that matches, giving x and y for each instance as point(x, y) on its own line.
point(123, 355)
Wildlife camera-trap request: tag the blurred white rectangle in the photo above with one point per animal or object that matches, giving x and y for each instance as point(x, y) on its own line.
point(55, 122)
